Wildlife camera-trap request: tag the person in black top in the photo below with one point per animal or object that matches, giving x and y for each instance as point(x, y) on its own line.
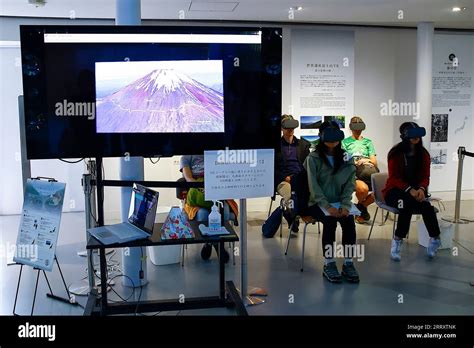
point(290, 175)
point(407, 187)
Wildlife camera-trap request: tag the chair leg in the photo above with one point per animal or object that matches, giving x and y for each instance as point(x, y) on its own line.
point(373, 222)
point(289, 237)
point(182, 255)
point(281, 226)
point(270, 209)
point(304, 242)
point(408, 235)
point(319, 228)
point(394, 225)
point(233, 253)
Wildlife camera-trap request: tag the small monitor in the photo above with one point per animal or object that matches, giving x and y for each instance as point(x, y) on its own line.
point(143, 204)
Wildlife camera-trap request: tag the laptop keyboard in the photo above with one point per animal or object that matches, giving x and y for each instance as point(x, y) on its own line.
point(124, 231)
point(104, 234)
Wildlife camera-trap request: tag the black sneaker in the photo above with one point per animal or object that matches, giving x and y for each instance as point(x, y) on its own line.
point(226, 254)
point(350, 273)
point(295, 226)
point(206, 251)
point(364, 212)
point(331, 273)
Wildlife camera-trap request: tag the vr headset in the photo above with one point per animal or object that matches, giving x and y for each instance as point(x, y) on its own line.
point(414, 131)
point(331, 135)
point(357, 126)
point(288, 122)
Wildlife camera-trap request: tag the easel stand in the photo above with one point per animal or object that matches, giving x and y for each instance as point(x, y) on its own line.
point(70, 300)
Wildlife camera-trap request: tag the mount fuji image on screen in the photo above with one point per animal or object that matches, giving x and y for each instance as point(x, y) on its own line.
point(160, 97)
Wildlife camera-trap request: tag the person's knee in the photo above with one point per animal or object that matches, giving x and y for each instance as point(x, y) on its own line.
point(361, 187)
point(426, 206)
point(403, 204)
point(330, 223)
point(284, 190)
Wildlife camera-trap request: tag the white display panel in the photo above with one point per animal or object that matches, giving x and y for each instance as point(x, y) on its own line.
point(452, 110)
point(322, 70)
point(237, 174)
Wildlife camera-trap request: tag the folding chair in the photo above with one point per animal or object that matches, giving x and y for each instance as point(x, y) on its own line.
point(307, 220)
point(378, 183)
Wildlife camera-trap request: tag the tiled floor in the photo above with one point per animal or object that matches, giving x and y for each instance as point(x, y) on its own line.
point(437, 287)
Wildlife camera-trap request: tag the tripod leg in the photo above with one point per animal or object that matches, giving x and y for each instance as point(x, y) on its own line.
point(62, 277)
point(36, 289)
point(17, 289)
point(47, 281)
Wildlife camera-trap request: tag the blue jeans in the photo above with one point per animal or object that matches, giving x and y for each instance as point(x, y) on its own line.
point(203, 214)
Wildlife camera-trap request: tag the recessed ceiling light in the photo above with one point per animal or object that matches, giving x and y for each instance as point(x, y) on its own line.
point(37, 3)
point(456, 9)
point(296, 8)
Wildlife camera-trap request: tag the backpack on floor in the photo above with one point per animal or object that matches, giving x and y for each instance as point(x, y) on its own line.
point(270, 227)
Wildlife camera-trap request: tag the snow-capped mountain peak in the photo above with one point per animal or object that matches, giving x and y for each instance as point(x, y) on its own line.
point(167, 79)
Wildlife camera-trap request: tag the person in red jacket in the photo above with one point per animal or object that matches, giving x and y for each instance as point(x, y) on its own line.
point(407, 187)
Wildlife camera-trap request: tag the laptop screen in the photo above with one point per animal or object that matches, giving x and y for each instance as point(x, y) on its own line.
point(143, 206)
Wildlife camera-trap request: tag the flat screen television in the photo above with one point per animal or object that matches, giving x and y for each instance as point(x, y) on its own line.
point(111, 91)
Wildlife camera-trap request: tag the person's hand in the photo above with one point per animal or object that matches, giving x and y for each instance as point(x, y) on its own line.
point(288, 179)
point(414, 193)
point(344, 212)
point(421, 195)
point(333, 212)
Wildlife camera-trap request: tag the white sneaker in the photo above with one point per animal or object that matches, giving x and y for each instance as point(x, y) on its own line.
point(433, 247)
point(395, 250)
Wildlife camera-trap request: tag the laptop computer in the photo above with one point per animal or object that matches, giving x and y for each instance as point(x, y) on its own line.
point(141, 219)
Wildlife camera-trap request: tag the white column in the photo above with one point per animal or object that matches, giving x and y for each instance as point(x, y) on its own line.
point(424, 74)
point(128, 12)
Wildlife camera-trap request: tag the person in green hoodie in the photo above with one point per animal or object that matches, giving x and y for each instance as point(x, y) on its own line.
point(331, 179)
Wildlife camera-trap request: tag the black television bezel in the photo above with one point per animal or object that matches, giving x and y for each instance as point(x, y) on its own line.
point(32, 43)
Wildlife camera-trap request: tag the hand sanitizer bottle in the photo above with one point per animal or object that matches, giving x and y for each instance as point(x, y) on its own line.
point(215, 218)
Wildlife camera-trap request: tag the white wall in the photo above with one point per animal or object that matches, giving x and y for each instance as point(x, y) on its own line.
point(385, 68)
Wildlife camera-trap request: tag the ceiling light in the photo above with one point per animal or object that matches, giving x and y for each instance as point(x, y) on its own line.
point(37, 3)
point(296, 8)
point(456, 9)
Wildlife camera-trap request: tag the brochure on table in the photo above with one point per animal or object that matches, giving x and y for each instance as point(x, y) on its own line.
point(39, 225)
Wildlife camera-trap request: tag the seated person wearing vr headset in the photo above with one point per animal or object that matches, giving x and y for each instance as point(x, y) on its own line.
point(289, 171)
point(407, 187)
point(331, 179)
point(363, 151)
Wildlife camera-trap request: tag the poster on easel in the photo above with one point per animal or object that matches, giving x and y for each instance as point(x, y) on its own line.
point(39, 225)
